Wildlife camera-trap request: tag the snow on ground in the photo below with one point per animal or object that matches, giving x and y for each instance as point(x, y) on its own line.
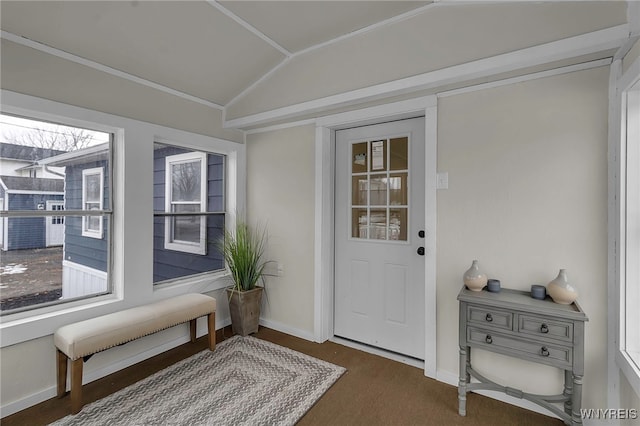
point(12, 268)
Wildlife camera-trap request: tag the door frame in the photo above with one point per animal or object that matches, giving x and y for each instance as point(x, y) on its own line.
point(324, 251)
point(48, 224)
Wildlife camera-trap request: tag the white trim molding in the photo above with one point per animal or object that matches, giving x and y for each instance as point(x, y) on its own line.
point(324, 205)
point(572, 47)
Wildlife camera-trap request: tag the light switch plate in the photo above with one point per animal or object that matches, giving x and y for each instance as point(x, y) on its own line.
point(442, 180)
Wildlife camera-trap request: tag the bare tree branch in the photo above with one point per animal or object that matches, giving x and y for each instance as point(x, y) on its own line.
point(60, 138)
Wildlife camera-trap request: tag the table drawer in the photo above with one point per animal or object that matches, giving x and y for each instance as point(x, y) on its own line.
point(488, 317)
point(545, 328)
point(551, 354)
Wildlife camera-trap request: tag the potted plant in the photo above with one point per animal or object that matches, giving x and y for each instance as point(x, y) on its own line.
point(243, 250)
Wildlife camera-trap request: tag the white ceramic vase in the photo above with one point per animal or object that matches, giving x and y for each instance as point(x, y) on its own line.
point(473, 278)
point(561, 291)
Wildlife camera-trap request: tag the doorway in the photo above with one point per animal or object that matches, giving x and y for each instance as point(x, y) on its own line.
point(379, 236)
point(324, 253)
point(55, 224)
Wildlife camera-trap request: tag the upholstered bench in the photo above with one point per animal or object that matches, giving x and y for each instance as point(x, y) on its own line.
point(77, 342)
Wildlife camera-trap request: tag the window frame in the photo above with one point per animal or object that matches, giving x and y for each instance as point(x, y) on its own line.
point(132, 200)
point(170, 242)
point(624, 194)
point(86, 231)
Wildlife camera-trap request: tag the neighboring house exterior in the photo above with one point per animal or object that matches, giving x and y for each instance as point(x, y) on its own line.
point(183, 245)
point(21, 160)
point(25, 193)
point(86, 187)
point(25, 185)
point(174, 258)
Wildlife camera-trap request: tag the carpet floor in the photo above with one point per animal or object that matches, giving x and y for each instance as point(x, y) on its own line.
point(374, 391)
point(245, 381)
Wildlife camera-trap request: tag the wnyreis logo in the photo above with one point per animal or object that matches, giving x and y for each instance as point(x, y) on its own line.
point(609, 413)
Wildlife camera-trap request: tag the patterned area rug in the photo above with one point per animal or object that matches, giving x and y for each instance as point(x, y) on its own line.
point(245, 381)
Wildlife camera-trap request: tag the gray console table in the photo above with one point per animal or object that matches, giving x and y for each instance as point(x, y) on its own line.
point(512, 323)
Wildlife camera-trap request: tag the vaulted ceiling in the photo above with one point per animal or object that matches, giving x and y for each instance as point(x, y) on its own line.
point(222, 52)
point(211, 50)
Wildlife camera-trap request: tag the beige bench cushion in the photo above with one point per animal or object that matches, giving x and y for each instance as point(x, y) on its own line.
point(97, 334)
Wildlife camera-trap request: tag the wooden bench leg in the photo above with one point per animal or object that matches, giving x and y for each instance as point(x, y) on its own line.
point(76, 385)
point(192, 329)
point(61, 367)
point(211, 329)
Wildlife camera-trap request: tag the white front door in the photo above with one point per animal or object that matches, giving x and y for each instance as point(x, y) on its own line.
point(379, 236)
point(55, 224)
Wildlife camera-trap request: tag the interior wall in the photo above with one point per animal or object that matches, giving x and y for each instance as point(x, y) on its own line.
point(527, 196)
point(32, 72)
point(280, 196)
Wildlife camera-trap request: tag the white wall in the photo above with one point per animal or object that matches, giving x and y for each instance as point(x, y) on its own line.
point(280, 195)
point(527, 196)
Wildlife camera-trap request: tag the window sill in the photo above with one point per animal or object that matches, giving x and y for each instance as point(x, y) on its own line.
point(28, 325)
point(202, 283)
point(629, 369)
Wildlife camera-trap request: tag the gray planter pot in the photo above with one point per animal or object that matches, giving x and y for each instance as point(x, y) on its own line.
point(244, 307)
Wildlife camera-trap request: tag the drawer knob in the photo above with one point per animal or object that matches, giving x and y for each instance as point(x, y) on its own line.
point(544, 351)
point(544, 328)
point(488, 339)
point(488, 317)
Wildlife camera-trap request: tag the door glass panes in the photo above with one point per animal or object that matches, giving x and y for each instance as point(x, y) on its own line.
point(380, 189)
point(359, 223)
point(398, 189)
point(359, 190)
point(399, 157)
point(378, 224)
point(359, 156)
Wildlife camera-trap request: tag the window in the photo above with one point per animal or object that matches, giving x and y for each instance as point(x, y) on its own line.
point(92, 194)
point(185, 193)
point(189, 209)
point(55, 224)
point(630, 224)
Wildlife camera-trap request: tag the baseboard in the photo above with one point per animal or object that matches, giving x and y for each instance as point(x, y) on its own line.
point(452, 379)
point(50, 392)
point(283, 328)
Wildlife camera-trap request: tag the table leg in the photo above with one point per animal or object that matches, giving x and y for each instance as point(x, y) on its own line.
point(576, 401)
point(568, 390)
point(464, 379)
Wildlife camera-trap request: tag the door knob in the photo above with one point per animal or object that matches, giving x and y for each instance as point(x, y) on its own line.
point(420, 251)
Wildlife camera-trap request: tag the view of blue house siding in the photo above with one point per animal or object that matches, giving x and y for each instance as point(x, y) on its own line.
point(87, 251)
point(24, 193)
point(170, 264)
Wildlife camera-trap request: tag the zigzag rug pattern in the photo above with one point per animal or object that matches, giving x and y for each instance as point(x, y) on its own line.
point(245, 381)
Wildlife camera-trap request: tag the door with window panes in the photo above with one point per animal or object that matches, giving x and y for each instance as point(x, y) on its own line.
point(379, 254)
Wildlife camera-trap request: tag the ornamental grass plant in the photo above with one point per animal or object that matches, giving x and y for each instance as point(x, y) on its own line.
point(243, 249)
